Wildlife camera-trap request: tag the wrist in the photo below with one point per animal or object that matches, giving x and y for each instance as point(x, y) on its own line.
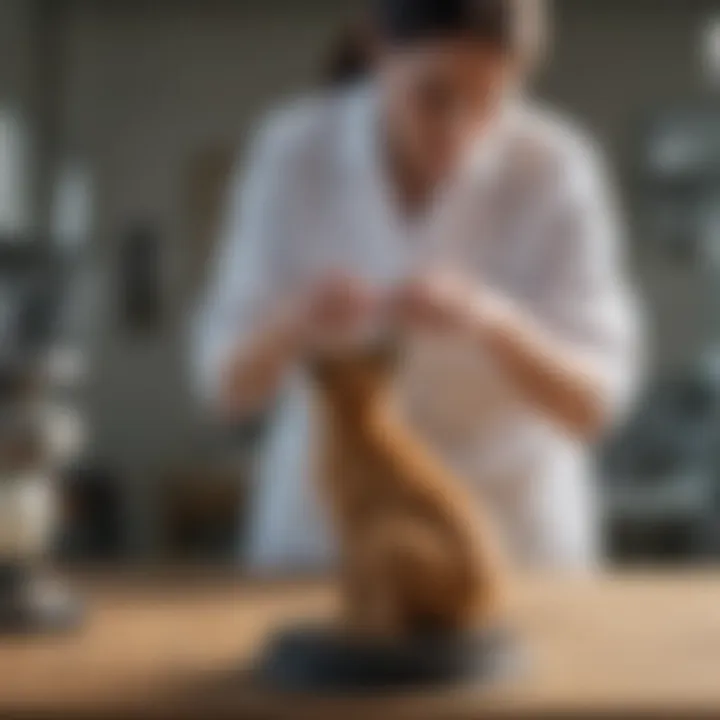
point(288, 329)
point(491, 315)
point(495, 320)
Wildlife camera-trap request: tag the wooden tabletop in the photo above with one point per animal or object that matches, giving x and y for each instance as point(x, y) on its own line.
point(169, 647)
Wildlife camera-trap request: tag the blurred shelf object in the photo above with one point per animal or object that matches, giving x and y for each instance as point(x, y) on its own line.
point(679, 182)
point(46, 323)
point(661, 474)
point(15, 179)
point(93, 529)
point(204, 505)
point(203, 513)
point(140, 280)
point(683, 144)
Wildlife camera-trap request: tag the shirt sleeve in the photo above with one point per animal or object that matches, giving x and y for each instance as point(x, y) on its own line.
point(588, 299)
point(248, 267)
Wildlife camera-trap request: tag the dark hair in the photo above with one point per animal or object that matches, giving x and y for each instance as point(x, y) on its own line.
point(351, 56)
point(513, 26)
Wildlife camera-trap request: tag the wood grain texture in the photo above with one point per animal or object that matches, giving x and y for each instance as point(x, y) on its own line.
point(176, 647)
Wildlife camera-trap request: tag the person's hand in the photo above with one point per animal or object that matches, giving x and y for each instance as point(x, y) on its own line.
point(448, 302)
point(323, 316)
point(332, 310)
point(436, 302)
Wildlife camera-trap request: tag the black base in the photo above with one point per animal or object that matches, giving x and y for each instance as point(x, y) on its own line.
point(26, 611)
point(317, 660)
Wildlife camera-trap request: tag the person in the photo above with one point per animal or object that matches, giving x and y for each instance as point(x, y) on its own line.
point(434, 192)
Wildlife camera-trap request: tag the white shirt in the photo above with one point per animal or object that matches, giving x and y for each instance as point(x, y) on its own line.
point(529, 216)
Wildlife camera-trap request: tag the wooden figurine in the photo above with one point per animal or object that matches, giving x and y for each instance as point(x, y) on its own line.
point(417, 558)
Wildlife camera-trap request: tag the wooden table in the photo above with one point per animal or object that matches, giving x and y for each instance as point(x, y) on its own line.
point(169, 647)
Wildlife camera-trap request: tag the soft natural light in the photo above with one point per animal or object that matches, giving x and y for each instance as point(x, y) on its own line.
point(14, 180)
point(72, 205)
point(711, 50)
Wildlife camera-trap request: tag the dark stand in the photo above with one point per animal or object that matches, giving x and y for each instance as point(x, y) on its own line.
point(23, 612)
point(317, 660)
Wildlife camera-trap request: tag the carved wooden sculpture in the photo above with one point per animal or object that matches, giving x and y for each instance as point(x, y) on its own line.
point(417, 558)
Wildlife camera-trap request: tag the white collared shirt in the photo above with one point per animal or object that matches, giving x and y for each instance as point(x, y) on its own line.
point(530, 216)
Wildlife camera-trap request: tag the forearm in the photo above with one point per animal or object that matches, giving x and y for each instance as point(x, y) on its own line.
point(549, 374)
point(253, 372)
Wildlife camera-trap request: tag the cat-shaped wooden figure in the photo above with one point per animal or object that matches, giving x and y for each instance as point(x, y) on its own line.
point(417, 559)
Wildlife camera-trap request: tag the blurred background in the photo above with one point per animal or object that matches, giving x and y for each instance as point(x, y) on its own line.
point(119, 123)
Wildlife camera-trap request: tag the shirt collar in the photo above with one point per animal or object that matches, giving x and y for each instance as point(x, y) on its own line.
point(361, 139)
